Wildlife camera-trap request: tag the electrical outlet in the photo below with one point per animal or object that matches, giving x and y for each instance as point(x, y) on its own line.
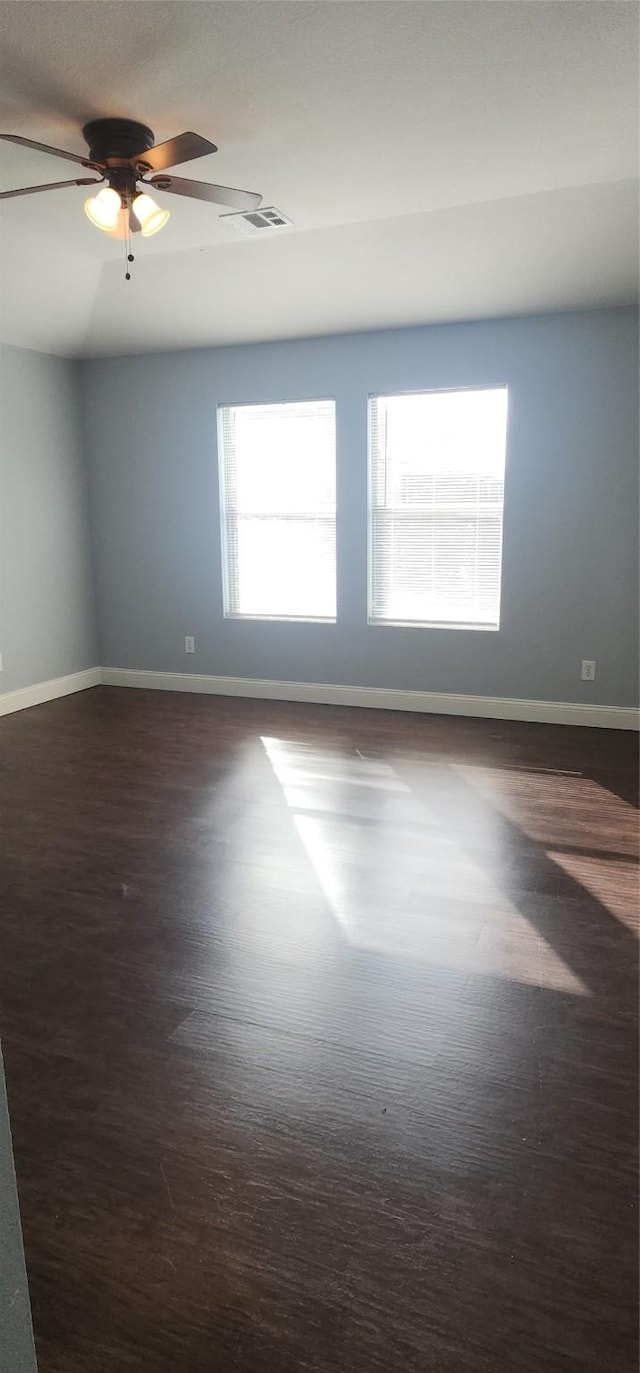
point(588, 670)
point(189, 643)
point(0, 662)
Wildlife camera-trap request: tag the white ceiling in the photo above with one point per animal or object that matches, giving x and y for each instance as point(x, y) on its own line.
point(449, 160)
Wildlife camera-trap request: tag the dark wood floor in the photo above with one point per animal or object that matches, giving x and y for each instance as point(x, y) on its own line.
point(319, 1037)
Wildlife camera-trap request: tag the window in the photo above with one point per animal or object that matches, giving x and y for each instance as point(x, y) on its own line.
point(278, 489)
point(436, 495)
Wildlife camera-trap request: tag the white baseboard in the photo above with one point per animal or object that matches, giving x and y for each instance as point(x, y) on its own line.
point(382, 698)
point(40, 692)
point(320, 693)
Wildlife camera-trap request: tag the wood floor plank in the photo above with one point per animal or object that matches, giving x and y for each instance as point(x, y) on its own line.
point(320, 1033)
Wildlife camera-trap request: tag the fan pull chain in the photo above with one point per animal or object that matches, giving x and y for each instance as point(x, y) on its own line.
point(127, 240)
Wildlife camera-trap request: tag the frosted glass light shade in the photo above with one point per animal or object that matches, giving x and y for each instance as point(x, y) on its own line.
point(149, 215)
point(103, 209)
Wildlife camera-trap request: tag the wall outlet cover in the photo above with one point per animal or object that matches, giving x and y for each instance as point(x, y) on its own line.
point(588, 670)
point(189, 643)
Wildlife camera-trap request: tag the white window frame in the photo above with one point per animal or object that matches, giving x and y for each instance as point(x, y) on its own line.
point(377, 621)
point(224, 550)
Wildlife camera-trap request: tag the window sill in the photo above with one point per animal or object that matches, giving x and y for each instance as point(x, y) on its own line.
point(283, 619)
point(433, 624)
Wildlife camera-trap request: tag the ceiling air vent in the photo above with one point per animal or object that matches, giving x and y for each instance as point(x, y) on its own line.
point(261, 221)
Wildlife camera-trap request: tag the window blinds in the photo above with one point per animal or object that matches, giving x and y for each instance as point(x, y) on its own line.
point(278, 499)
point(436, 498)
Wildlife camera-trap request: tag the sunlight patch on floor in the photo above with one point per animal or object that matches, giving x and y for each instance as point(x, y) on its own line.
point(396, 882)
point(613, 882)
point(557, 808)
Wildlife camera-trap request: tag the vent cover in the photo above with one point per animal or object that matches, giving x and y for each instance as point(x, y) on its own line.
point(261, 221)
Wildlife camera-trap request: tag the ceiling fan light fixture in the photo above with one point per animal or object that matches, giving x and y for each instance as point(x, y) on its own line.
point(149, 215)
point(103, 209)
point(122, 152)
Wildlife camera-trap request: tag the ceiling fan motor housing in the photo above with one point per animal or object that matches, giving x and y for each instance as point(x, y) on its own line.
point(114, 142)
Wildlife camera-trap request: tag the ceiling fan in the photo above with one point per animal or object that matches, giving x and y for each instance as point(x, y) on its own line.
point(123, 153)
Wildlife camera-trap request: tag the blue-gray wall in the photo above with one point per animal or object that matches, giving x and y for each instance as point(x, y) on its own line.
point(47, 613)
point(570, 577)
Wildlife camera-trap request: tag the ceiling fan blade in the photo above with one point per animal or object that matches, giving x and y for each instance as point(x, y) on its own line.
point(183, 148)
point(51, 186)
point(203, 190)
point(44, 148)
